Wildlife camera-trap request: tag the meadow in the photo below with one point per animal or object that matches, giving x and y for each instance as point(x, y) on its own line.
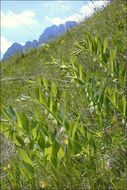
point(63, 109)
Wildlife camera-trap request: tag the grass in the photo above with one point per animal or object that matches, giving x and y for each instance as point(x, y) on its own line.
point(67, 111)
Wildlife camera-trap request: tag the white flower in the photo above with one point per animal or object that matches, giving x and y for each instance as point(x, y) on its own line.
point(55, 122)
point(85, 89)
point(87, 95)
point(101, 65)
point(35, 146)
point(91, 109)
point(105, 69)
point(77, 85)
point(26, 140)
point(67, 75)
point(95, 59)
point(50, 116)
point(112, 75)
point(20, 133)
point(46, 111)
point(46, 139)
point(62, 129)
point(72, 80)
point(123, 121)
point(91, 104)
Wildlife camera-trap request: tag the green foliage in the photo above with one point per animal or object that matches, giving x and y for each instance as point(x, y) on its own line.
point(71, 134)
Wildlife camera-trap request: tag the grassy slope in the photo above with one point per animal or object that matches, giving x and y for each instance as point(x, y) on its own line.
point(109, 23)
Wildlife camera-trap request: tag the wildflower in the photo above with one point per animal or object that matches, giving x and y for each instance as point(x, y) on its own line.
point(20, 133)
point(86, 90)
point(62, 129)
point(95, 59)
point(46, 139)
point(123, 121)
point(46, 111)
point(108, 164)
point(72, 80)
point(62, 41)
point(77, 85)
point(62, 137)
point(101, 65)
point(55, 122)
point(50, 116)
point(112, 75)
point(65, 141)
point(43, 184)
point(4, 168)
point(26, 141)
point(35, 147)
point(87, 95)
point(105, 69)
point(8, 166)
point(91, 109)
point(67, 75)
point(91, 103)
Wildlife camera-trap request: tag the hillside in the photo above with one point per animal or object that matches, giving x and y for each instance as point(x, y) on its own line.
point(67, 113)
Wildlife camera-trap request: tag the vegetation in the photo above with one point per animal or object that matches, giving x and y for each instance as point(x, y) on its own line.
point(67, 112)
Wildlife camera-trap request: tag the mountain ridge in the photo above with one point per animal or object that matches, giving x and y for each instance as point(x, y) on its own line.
point(48, 34)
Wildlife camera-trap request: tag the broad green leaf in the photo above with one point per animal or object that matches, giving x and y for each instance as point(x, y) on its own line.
point(74, 128)
point(80, 72)
point(24, 156)
point(45, 83)
point(54, 89)
point(105, 45)
point(28, 167)
point(60, 153)
point(48, 152)
point(19, 121)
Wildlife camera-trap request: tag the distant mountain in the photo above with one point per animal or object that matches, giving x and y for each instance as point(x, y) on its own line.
point(55, 31)
point(49, 33)
point(30, 44)
point(13, 49)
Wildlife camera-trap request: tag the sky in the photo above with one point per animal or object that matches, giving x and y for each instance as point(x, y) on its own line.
point(25, 20)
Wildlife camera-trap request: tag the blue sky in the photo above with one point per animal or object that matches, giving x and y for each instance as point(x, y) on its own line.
point(26, 20)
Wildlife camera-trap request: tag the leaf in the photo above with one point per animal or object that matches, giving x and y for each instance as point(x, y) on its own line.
point(34, 132)
point(74, 128)
point(45, 83)
point(25, 122)
point(19, 139)
point(24, 156)
point(28, 167)
point(41, 141)
point(54, 60)
point(81, 72)
point(48, 152)
point(124, 105)
point(50, 103)
point(54, 89)
point(19, 121)
point(60, 153)
point(55, 149)
point(105, 45)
